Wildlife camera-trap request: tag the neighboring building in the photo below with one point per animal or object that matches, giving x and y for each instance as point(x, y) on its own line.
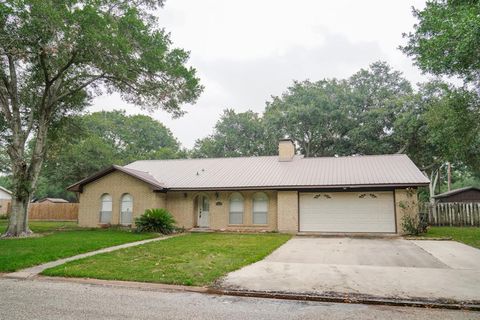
point(5, 200)
point(286, 193)
point(52, 200)
point(467, 194)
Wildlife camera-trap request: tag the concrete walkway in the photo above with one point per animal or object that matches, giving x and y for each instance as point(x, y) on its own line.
point(34, 271)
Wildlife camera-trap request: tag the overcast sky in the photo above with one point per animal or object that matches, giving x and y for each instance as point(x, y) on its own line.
point(246, 51)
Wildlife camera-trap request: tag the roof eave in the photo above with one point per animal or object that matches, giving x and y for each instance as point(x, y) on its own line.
point(78, 187)
point(304, 187)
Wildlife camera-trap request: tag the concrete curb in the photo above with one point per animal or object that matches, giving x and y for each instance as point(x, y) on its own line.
point(335, 298)
point(125, 284)
point(346, 298)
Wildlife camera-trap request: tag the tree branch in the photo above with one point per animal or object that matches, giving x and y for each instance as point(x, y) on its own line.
point(77, 89)
point(64, 68)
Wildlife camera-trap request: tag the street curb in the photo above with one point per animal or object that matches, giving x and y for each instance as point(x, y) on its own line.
point(124, 284)
point(346, 298)
point(336, 298)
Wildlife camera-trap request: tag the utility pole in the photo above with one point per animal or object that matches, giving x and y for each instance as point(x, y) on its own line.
point(449, 176)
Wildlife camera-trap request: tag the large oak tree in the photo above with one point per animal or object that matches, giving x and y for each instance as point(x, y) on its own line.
point(56, 55)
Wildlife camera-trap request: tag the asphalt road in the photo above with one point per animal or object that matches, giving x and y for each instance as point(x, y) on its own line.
point(34, 299)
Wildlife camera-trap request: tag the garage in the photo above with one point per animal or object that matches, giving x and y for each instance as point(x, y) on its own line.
point(369, 211)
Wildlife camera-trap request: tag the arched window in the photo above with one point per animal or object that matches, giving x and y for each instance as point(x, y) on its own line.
point(126, 209)
point(260, 208)
point(106, 208)
point(236, 209)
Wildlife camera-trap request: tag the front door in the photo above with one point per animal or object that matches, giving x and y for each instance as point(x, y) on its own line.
point(203, 210)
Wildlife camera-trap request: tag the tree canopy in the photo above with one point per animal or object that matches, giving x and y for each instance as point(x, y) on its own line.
point(446, 39)
point(235, 135)
point(56, 55)
point(85, 144)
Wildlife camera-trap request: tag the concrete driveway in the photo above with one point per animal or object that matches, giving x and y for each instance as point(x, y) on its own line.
point(369, 268)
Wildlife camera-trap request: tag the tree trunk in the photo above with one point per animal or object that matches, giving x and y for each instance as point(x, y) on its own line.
point(25, 178)
point(18, 221)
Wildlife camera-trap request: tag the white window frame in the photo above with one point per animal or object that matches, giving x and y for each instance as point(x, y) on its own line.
point(240, 200)
point(106, 202)
point(260, 199)
point(122, 213)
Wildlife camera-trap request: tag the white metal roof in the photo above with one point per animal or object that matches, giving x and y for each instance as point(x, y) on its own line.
point(269, 172)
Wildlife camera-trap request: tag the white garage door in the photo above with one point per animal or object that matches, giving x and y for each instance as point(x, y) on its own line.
point(347, 212)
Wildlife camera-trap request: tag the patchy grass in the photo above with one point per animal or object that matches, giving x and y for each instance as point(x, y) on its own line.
point(193, 259)
point(467, 235)
point(58, 240)
point(44, 226)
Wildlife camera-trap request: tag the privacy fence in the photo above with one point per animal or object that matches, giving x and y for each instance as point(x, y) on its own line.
point(463, 214)
point(53, 211)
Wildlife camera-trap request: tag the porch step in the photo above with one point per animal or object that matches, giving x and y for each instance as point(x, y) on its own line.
point(198, 230)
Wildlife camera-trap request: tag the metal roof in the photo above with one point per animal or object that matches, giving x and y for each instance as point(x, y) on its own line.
point(452, 192)
point(55, 200)
point(5, 190)
point(269, 172)
point(141, 175)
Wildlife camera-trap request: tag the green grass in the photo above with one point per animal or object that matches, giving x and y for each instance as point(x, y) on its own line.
point(193, 259)
point(467, 235)
point(58, 240)
point(44, 226)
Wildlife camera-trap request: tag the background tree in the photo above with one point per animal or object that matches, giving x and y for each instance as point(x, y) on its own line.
point(85, 144)
point(315, 115)
point(445, 42)
point(445, 39)
point(56, 55)
point(236, 135)
point(443, 126)
point(342, 117)
point(378, 95)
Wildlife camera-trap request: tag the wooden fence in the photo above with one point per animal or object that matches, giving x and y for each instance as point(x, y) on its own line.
point(463, 214)
point(53, 211)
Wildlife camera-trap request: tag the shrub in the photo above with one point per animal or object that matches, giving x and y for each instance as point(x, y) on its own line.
point(413, 225)
point(155, 220)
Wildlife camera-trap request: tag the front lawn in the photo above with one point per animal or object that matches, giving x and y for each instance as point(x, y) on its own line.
point(44, 226)
point(467, 235)
point(53, 244)
point(193, 259)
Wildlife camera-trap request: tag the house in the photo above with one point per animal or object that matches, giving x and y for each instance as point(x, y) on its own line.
point(5, 200)
point(52, 200)
point(467, 194)
point(286, 193)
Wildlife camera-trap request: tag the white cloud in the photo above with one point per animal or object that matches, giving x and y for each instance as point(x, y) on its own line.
point(246, 51)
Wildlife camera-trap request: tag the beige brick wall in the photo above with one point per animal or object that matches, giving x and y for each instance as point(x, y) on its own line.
point(287, 211)
point(4, 205)
point(183, 207)
point(116, 184)
point(406, 202)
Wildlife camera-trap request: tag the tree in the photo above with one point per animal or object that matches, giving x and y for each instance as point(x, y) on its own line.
point(85, 144)
point(342, 117)
point(56, 55)
point(443, 126)
point(378, 96)
point(445, 40)
point(314, 114)
point(236, 135)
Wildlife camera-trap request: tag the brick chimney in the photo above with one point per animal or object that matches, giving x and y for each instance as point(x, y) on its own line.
point(286, 150)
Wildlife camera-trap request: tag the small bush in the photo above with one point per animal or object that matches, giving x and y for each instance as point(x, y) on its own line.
point(155, 220)
point(413, 225)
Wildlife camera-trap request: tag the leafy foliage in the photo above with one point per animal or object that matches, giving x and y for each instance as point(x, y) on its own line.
point(236, 135)
point(83, 145)
point(445, 40)
point(155, 220)
point(55, 56)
